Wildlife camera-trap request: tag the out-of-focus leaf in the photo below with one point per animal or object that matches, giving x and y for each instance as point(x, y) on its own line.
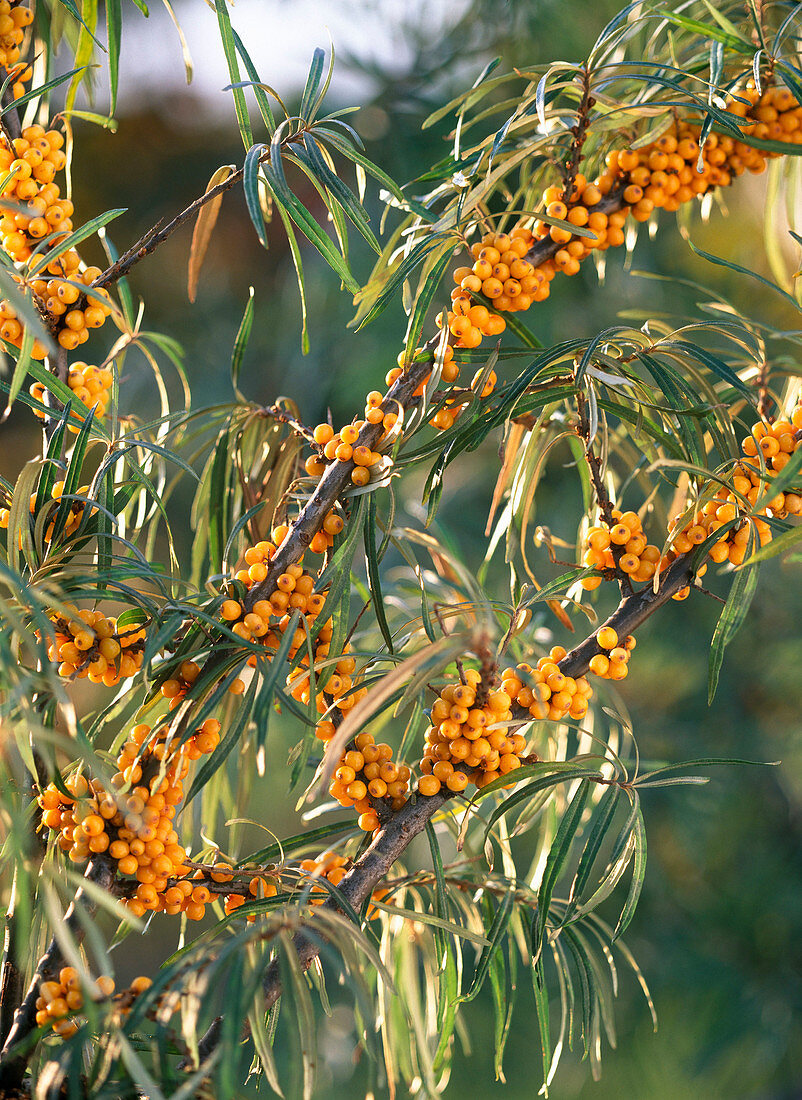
point(739, 600)
point(638, 872)
point(241, 340)
point(557, 859)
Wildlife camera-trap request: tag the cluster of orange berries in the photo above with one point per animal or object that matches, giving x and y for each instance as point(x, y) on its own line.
point(133, 823)
point(344, 446)
point(637, 558)
point(14, 18)
point(260, 886)
point(269, 619)
point(366, 774)
point(339, 689)
point(333, 868)
point(663, 174)
point(613, 663)
point(502, 273)
point(176, 687)
point(59, 1001)
point(90, 645)
point(71, 523)
point(545, 691)
point(31, 162)
point(35, 211)
point(294, 591)
point(467, 743)
point(92, 385)
point(767, 450)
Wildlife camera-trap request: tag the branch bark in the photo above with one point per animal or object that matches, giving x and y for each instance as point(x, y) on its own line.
point(393, 838)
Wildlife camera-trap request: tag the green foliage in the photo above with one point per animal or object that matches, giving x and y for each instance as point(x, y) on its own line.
point(542, 874)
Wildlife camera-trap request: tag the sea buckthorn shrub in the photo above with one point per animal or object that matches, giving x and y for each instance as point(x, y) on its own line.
point(303, 658)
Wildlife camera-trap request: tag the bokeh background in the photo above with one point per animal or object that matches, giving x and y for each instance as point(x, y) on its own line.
point(719, 927)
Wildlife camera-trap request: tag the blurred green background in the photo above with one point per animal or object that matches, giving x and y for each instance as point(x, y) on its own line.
point(719, 927)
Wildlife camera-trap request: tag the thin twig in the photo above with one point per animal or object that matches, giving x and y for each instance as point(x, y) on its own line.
point(159, 233)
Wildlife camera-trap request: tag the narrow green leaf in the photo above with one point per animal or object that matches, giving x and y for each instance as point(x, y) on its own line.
point(262, 102)
point(40, 90)
point(114, 27)
point(778, 545)
point(557, 859)
point(74, 239)
point(20, 369)
point(423, 299)
point(308, 226)
point(312, 82)
point(359, 158)
point(230, 50)
point(242, 716)
point(739, 599)
point(295, 252)
point(353, 209)
point(745, 270)
point(71, 8)
point(250, 184)
point(241, 340)
point(495, 934)
point(605, 812)
point(638, 873)
point(731, 41)
point(72, 479)
point(51, 469)
point(85, 47)
point(543, 1020)
point(25, 309)
point(397, 277)
point(374, 572)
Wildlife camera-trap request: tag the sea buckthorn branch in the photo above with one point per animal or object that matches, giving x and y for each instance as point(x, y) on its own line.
point(291, 550)
point(273, 412)
point(333, 482)
point(393, 838)
point(579, 132)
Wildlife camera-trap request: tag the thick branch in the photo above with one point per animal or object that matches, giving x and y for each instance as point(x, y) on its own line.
point(11, 120)
point(392, 840)
point(12, 980)
point(545, 248)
